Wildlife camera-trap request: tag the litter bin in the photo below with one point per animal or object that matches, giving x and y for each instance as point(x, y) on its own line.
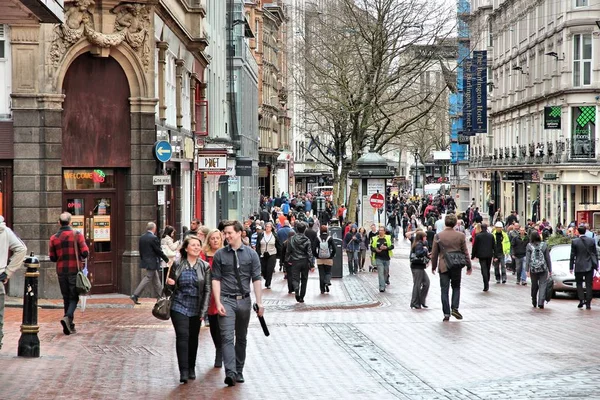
point(337, 270)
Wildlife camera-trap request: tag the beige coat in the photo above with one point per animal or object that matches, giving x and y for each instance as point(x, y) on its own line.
point(451, 240)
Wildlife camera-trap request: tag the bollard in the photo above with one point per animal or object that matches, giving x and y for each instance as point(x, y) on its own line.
point(29, 343)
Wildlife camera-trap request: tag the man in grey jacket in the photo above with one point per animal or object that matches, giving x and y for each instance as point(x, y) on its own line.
point(584, 260)
point(8, 242)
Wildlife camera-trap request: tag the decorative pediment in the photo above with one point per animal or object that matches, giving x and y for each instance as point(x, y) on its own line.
point(132, 26)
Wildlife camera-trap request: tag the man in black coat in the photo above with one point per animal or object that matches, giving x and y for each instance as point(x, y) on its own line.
point(150, 256)
point(584, 260)
point(483, 249)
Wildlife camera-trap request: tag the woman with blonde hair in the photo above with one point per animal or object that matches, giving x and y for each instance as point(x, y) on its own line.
point(202, 232)
point(214, 241)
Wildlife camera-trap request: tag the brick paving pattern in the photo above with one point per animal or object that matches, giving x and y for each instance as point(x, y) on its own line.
point(354, 343)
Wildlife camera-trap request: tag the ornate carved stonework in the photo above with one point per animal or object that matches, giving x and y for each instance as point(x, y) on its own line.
point(132, 25)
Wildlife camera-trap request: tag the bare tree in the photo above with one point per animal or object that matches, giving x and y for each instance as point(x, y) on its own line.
point(363, 63)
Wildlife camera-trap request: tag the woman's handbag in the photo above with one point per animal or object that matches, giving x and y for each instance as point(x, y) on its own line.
point(423, 260)
point(162, 308)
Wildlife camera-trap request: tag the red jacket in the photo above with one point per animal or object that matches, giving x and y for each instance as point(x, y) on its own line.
point(212, 306)
point(62, 250)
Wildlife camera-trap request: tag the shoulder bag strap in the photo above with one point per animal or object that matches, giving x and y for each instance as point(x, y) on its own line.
point(76, 250)
point(237, 272)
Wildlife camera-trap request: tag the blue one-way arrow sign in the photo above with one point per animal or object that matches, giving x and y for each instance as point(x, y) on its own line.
point(162, 151)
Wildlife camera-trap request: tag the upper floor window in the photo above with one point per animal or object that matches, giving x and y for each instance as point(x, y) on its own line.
point(2, 41)
point(581, 3)
point(582, 59)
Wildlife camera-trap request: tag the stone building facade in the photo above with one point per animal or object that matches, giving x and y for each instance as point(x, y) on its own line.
point(88, 97)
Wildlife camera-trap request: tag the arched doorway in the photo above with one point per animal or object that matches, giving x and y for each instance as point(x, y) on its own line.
point(96, 153)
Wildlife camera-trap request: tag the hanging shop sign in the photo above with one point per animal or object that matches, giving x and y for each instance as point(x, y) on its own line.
point(213, 164)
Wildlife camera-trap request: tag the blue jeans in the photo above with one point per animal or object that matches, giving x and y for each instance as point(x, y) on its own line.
point(520, 269)
point(383, 272)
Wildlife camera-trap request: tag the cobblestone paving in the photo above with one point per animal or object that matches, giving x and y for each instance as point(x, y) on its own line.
point(354, 343)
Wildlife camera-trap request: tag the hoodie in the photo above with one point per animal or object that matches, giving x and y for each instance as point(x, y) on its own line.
point(10, 241)
point(352, 240)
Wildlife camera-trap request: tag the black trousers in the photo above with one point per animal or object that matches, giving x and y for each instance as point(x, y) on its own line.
point(215, 330)
point(589, 278)
point(486, 264)
point(267, 267)
point(324, 275)
point(69, 293)
point(187, 330)
point(300, 277)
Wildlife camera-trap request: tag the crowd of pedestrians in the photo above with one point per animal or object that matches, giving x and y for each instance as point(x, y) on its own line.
point(212, 271)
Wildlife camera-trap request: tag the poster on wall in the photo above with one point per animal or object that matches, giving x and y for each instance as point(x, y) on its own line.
point(77, 223)
point(583, 133)
point(102, 228)
point(552, 117)
point(371, 215)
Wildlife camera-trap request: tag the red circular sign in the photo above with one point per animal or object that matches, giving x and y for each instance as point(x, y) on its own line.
point(377, 200)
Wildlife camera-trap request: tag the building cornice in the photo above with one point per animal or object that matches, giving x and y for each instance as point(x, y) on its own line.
point(196, 45)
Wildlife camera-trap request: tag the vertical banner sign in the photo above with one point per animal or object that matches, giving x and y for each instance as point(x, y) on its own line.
point(583, 135)
point(479, 100)
point(468, 97)
point(552, 116)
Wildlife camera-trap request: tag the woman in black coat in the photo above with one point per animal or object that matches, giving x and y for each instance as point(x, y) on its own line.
point(418, 265)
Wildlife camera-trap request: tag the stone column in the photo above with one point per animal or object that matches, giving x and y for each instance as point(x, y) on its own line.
point(179, 63)
point(37, 172)
point(140, 195)
point(162, 106)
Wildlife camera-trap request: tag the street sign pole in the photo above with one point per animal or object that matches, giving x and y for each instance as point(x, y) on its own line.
point(164, 206)
point(163, 153)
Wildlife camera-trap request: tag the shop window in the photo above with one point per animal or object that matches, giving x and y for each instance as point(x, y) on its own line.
point(2, 41)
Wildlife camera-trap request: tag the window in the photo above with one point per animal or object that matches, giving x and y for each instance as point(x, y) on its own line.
point(585, 195)
point(582, 60)
point(2, 41)
point(581, 3)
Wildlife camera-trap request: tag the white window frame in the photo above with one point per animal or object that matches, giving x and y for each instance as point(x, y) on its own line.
point(170, 89)
point(581, 3)
point(5, 74)
point(4, 41)
point(580, 63)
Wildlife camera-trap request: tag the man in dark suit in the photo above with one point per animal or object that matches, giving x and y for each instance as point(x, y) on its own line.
point(446, 241)
point(150, 255)
point(483, 246)
point(584, 260)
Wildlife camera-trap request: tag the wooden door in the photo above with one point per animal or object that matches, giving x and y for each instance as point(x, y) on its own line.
point(95, 216)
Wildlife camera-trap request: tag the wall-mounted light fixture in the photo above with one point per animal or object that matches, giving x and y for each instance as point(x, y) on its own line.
point(519, 68)
point(555, 55)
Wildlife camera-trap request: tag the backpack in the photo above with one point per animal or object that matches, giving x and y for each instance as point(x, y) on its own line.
point(324, 251)
point(537, 262)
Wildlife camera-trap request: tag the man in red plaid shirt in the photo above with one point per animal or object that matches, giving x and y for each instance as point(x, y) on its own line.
point(62, 251)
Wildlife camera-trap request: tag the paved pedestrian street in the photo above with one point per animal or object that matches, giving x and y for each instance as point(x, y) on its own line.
point(355, 343)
